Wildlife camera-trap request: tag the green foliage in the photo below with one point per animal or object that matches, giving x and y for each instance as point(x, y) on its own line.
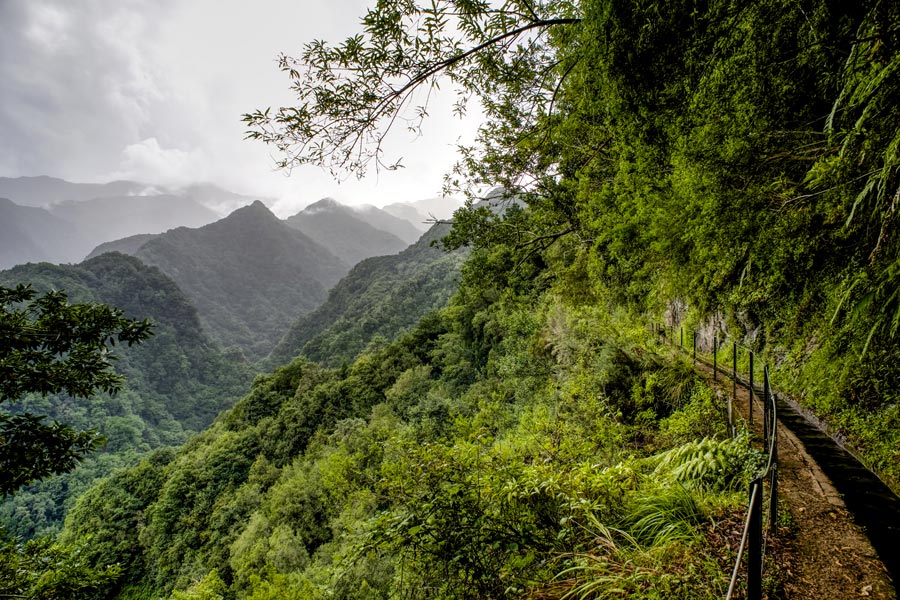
point(705, 462)
point(529, 439)
point(350, 94)
point(211, 587)
point(44, 570)
point(475, 456)
point(51, 346)
point(31, 449)
point(701, 415)
point(381, 296)
point(174, 384)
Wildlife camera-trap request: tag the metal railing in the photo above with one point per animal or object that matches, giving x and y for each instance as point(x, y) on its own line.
point(754, 535)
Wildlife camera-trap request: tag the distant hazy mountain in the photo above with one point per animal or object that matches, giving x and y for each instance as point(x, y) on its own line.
point(60, 221)
point(344, 232)
point(385, 221)
point(29, 234)
point(115, 217)
point(381, 296)
point(249, 274)
point(44, 191)
point(177, 381)
point(422, 212)
point(50, 219)
point(215, 198)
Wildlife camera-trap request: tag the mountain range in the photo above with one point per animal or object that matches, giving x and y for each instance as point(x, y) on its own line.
point(241, 283)
point(53, 220)
point(249, 274)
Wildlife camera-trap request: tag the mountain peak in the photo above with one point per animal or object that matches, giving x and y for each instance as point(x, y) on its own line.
point(323, 205)
point(256, 210)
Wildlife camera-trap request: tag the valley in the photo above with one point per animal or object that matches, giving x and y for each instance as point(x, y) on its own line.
point(460, 399)
point(220, 295)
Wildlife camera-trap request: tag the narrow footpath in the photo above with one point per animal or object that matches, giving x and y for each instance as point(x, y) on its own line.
point(845, 539)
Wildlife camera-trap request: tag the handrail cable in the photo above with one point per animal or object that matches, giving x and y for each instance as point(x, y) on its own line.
point(770, 434)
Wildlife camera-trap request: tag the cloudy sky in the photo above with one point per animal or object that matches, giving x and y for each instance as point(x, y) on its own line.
point(153, 90)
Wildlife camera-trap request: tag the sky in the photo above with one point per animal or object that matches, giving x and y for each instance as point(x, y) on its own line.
point(153, 91)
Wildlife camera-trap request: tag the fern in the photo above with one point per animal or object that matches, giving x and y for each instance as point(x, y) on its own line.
point(707, 462)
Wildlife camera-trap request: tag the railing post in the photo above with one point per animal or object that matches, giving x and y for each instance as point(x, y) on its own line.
point(754, 546)
point(715, 357)
point(773, 498)
point(734, 370)
point(752, 391)
point(767, 397)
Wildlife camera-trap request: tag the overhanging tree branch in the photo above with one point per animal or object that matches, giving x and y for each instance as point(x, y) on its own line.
point(352, 94)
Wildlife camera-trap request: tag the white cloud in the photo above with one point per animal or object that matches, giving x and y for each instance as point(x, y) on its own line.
point(147, 161)
point(154, 90)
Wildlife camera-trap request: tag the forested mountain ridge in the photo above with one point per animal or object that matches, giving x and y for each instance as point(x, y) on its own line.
point(407, 230)
point(454, 460)
point(380, 298)
point(127, 245)
point(249, 275)
point(177, 382)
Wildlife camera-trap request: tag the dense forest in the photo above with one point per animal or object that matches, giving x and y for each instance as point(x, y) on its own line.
point(176, 383)
point(720, 165)
point(380, 298)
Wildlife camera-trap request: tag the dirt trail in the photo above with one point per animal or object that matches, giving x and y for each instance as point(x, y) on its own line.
point(826, 556)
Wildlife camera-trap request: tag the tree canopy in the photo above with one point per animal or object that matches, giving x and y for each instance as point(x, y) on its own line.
point(613, 120)
point(531, 439)
point(48, 345)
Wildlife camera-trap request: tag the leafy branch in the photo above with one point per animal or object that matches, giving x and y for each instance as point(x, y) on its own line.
point(351, 95)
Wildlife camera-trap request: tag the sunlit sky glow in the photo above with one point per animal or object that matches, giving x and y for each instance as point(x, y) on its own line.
point(153, 90)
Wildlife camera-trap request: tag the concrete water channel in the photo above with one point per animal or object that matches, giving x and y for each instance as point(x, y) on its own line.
point(871, 504)
point(874, 507)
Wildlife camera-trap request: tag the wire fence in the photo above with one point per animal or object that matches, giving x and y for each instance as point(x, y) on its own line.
point(760, 522)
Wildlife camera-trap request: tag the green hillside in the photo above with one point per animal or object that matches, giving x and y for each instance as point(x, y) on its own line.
point(249, 275)
point(482, 454)
point(380, 298)
point(177, 382)
point(730, 167)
